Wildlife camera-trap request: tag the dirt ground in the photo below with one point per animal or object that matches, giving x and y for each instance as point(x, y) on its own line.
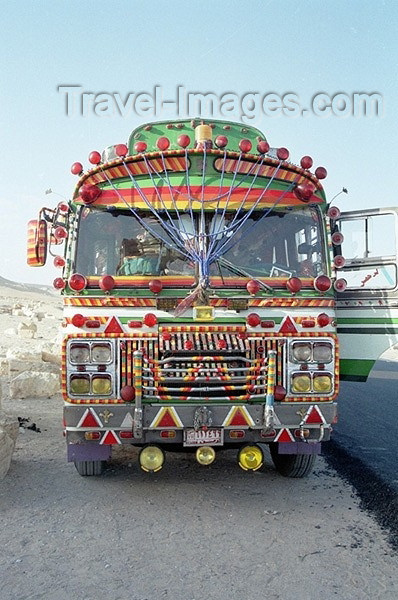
point(186, 533)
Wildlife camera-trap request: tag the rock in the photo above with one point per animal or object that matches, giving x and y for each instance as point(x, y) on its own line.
point(9, 428)
point(26, 355)
point(35, 384)
point(3, 366)
point(27, 330)
point(51, 358)
point(15, 367)
point(10, 331)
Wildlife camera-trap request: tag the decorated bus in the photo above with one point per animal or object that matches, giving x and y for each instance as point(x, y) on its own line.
point(209, 300)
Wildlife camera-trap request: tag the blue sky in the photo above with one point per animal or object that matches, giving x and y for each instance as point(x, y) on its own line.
point(266, 46)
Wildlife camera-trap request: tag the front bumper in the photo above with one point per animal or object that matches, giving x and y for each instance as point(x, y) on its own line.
point(149, 423)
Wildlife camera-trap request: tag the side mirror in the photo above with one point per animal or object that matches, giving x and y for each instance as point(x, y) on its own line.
point(37, 243)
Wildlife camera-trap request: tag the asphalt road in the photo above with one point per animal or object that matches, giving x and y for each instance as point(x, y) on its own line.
point(368, 421)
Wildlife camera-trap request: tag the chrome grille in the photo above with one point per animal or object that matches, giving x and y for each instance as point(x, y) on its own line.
point(205, 373)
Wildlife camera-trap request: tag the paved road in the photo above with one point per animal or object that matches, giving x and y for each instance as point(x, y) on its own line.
point(368, 421)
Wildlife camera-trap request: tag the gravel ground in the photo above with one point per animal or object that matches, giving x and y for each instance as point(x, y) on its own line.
point(185, 533)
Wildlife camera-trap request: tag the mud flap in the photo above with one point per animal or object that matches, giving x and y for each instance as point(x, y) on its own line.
point(80, 452)
point(299, 448)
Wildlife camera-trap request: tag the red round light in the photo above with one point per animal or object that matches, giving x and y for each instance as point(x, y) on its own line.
point(253, 320)
point(94, 157)
point(183, 140)
point(304, 191)
point(188, 345)
point(279, 392)
point(263, 147)
point(59, 261)
point(339, 261)
point(140, 146)
point(337, 238)
point(282, 153)
point(340, 285)
point(322, 283)
point(163, 143)
point(59, 283)
point(221, 344)
point(76, 168)
point(77, 282)
point(89, 193)
point(60, 233)
point(245, 145)
point(321, 173)
point(150, 320)
point(294, 284)
point(155, 285)
point(242, 335)
point(323, 320)
point(221, 141)
point(106, 283)
point(253, 287)
point(121, 150)
point(166, 336)
point(306, 162)
point(127, 393)
point(333, 213)
point(78, 320)
point(63, 207)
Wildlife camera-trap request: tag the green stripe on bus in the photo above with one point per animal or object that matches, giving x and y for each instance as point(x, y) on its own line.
point(368, 330)
point(366, 321)
point(354, 368)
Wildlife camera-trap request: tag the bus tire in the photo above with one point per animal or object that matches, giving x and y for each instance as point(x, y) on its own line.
point(88, 468)
point(292, 465)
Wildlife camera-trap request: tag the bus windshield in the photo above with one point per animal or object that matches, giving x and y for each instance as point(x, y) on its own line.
point(280, 244)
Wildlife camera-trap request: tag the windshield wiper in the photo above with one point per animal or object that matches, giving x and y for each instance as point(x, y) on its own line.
point(239, 271)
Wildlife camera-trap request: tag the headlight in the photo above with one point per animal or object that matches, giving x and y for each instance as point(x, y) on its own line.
point(301, 384)
point(323, 352)
point(101, 353)
point(323, 382)
point(301, 351)
point(79, 385)
point(101, 386)
point(79, 353)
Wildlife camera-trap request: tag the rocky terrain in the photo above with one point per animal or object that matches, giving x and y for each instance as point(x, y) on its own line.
point(30, 318)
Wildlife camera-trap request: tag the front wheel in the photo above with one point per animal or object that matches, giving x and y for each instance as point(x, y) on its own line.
point(88, 468)
point(292, 465)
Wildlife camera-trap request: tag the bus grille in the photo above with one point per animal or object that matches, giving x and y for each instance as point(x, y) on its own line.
point(210, 371)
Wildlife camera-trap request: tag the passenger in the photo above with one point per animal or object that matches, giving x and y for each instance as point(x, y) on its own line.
point(138, 258)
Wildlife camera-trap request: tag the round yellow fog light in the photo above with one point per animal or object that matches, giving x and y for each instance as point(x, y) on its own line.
point(151, 459)
point(250, 458)
point(205, 455)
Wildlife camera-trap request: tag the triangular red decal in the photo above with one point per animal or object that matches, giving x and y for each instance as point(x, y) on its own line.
point(238, 418)
point(288, 326)
point(314, 417)
point(89, 419)
point(167, 420)
point(114, 326)
point(284, 436)
point(110, 438)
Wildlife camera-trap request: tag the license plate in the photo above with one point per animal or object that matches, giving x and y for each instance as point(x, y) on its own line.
point(208, 437)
